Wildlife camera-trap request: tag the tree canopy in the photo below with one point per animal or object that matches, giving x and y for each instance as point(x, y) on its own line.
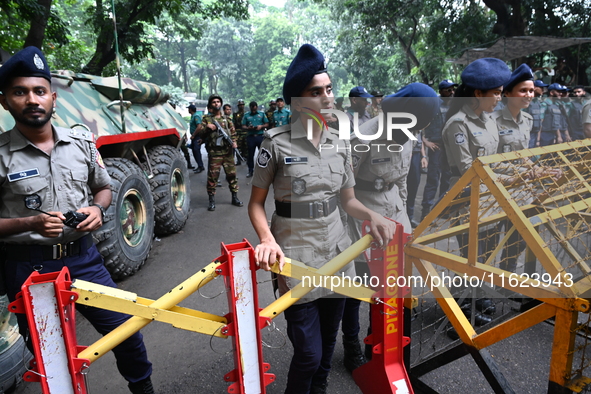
point(241, 49)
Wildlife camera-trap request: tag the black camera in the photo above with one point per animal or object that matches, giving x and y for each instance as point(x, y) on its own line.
point(74, 218)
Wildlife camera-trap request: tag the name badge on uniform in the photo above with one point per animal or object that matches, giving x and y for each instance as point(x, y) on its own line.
point(17, 176)
point(476, 133)
point(381, 160)
point(505, 132)
point(296, 160)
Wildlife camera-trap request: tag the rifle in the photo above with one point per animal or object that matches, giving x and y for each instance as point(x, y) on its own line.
point(227, 138)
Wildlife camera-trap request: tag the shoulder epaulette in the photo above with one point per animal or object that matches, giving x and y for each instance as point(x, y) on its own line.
point(275, 131)
point(79, 134)
point(526, 115)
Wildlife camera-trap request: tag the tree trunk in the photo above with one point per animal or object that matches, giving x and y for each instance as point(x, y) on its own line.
point(36, 33)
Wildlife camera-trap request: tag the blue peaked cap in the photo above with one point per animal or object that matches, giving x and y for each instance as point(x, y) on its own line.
point(307, 63)
point(28, 62)
point(520, 74)
point(486, 73)
point(417, 99)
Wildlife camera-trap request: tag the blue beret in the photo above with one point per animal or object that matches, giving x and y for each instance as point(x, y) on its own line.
point(557, 86)
point(446, 83)
point(417, 99)
point(29, 62)
point(307, 63)
point(540, 84)
point(486, 73)
point(520, 74)
point(359, 91)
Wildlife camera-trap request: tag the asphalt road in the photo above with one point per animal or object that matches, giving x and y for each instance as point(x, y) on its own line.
point(187, 362)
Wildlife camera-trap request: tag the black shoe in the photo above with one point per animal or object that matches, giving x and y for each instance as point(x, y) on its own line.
point(354, 358)
point(211, 206)
point(484, 305)
point(236, 201)
point(318, 388)
point(190, 167)
point(480, 319)
point(199, 169)
point(142, 387)
point(249, 175)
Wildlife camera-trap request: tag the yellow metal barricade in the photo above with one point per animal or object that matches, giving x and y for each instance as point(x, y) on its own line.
point(515, 228)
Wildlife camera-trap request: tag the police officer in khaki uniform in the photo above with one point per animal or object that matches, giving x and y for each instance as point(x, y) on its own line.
point(469, 133)
point(307, 178)
point(53, 169)
point(379, 165)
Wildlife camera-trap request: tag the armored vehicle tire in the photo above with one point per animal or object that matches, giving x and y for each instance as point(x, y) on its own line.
point(126, 236)
point(13, 356)
point(170, 188)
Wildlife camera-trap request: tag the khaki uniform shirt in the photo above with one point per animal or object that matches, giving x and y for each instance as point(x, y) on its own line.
point(62, 180)
point(466, 137)
point(299, 172)
point(380, 166)
point(513, 135)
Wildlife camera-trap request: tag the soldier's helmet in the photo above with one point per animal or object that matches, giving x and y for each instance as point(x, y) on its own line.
point(214, 96)
point(240, 102)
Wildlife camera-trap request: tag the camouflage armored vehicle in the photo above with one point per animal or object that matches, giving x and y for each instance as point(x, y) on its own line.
point(149, 176)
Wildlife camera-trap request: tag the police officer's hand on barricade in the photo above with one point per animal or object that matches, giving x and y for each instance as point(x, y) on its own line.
point(381, 229)
point(267, 253)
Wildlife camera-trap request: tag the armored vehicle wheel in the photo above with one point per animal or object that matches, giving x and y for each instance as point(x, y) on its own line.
point(126, 236)
point(170, 189)
point(13, 356)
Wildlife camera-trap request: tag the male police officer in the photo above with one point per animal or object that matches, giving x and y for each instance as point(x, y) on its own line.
point(53, 168)
point(255, 123)
point(240, 132)
point(358, 97)
point(282, 115)
point(219, 149)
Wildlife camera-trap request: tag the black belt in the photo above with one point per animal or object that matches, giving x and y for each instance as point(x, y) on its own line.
point(309, 210)
point(19, 252)
point(374, 186)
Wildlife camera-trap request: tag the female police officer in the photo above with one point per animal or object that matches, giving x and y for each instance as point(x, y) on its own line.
point(307, 177)
point(514, 127)
point(469, 133)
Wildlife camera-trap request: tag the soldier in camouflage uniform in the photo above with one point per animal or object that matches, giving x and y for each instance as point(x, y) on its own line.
point(269, 113)
point(240, 133)
point(220, 152)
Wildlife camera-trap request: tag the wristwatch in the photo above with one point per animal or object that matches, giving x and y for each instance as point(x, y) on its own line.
point(102, 210)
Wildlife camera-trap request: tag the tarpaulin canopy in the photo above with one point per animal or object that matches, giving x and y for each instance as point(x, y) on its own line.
point(509, 48)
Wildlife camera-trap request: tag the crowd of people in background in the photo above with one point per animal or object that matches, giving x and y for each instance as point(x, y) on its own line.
point(557, 111)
